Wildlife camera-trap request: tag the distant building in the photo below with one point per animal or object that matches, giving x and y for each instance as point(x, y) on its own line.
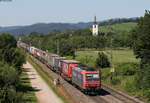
point(95, 31)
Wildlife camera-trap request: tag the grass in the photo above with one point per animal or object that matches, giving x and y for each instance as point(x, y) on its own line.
point(28, 92)
point(123, 56)
point(47, 78)
point(119, 56)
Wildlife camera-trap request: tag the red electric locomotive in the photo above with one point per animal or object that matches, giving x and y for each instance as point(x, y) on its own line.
point(86, 78)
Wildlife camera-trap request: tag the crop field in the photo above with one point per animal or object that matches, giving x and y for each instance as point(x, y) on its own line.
point(119, 56)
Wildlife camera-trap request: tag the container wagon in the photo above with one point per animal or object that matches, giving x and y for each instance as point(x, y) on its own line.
point(66, 68)
point(57, 64)
point(42, 55)
point(50, 60)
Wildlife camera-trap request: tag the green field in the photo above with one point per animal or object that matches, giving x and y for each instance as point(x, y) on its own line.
point(119, 56)
point(118, 27)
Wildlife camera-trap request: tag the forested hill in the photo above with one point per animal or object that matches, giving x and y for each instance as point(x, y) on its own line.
point(49, 27)
point(43, 28)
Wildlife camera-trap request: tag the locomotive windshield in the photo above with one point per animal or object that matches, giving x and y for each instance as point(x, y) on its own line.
point(92, 76)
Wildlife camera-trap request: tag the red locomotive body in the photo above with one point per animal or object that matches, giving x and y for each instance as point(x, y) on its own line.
point(86, 78)
point(66, 68)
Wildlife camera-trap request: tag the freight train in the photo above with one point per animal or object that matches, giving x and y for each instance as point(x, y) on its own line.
point(86, 78)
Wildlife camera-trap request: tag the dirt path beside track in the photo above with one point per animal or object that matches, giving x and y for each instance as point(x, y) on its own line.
point(43, 93)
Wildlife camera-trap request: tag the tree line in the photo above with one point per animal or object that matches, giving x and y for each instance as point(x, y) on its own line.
point(11, 60)
point(77, 39)
point(141, 47)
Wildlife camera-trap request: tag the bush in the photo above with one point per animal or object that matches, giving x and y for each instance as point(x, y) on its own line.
point(147, 94)
point(126, 69)
point(129, 84)
point(105, 73)
point(102, 60)
point(143, 77)
point(115, 81)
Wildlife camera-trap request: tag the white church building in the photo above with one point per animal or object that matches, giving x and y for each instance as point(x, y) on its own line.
point(95, 28)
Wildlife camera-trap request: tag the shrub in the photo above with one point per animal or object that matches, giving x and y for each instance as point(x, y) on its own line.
point(102, 60)
point(143, 77)
point(129, 84)
point(105, 73)
point(115, 81)
point(147, 94)
point(126, 69)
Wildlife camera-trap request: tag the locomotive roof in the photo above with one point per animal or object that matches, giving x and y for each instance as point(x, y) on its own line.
point(60, 57)
point(70, 61)
point(85, 67)
point(32, 47)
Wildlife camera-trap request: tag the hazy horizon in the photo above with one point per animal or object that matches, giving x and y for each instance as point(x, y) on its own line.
point(60, 22)
point(28, 12)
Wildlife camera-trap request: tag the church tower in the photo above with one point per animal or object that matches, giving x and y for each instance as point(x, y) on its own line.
point(95, 28)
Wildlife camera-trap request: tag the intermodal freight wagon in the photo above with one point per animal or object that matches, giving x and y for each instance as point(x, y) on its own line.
point(84, 77)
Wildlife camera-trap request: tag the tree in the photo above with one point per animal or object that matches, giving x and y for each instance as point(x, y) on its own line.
point(9, 80)
point(141, 46)
point(102, 60)
point(8, 75)
point(18, 59)
point(141, 38)
point(9, 52)
point(67, 49)
point(7, 41)
point(11, 60)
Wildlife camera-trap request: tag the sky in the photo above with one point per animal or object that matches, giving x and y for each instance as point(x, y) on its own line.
point(27, 12)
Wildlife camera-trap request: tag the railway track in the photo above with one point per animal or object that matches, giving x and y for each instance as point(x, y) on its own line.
point(122, 96)
point(106, 95)
point(109, 95)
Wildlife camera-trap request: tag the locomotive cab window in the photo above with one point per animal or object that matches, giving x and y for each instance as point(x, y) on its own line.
point(92, 77)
